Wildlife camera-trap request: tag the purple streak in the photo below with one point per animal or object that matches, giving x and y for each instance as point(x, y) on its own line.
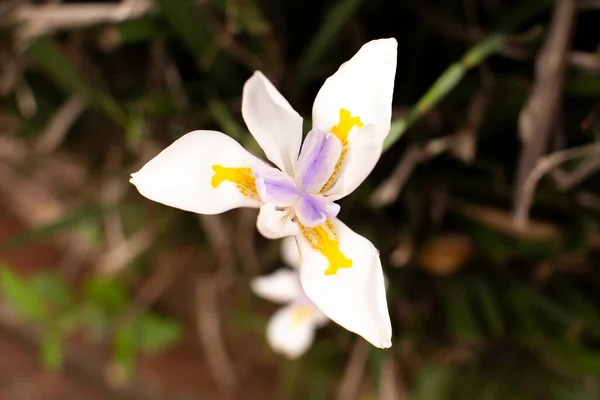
point(316, 163)
point(276, 187)
point(313, 209)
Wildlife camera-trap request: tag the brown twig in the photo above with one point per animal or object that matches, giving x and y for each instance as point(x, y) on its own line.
point(226, 40)
point(211, 338)
point(218, 234)
point(25, 99)
point(539, 116)
point(59, 124)
point(462, 145)
point(153, 288)
point(584, 5)
point(120, 256)
point(390, 386)
point(353, 375)
point(545, 165)
point(582, 61)
point(246, 247)
point(36, 20)
point(566, 180)
point(387, 192)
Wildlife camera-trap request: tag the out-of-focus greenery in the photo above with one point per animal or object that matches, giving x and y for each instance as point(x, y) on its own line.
point(503, 314)
point(47, 301)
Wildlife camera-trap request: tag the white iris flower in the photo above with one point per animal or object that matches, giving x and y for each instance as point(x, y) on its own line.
point(291, 330)
point(208, 172)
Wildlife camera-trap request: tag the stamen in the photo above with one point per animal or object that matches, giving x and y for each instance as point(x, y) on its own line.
point(323, 239)
point(341, 131)
point(242, 177)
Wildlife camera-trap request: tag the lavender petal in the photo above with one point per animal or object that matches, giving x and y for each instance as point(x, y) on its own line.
point(316, 163)
point(276, 187)
point(313, 209)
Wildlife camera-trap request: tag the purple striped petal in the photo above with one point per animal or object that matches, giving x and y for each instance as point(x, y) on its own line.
point(276, 187)
point(313, 209)
point(318, 157)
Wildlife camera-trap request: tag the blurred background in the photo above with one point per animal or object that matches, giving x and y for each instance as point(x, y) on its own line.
point(485, 204)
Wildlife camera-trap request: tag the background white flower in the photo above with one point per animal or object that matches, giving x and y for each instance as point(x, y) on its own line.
point(291, 329)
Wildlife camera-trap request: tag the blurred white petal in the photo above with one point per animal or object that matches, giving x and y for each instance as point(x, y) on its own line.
point(291, 330)
point(281, 286)
point(289, 251)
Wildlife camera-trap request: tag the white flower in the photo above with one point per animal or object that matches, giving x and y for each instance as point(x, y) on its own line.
point(291, 330)
point(208, 172)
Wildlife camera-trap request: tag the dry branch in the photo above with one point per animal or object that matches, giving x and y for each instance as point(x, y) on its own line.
point(539, 116)
point(353, 375)
point(544, 166)
point(36, 20)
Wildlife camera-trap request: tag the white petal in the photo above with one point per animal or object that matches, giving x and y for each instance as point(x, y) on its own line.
point(291, 330)
point(363, 153)
point(363, 86)
point(353, 297)
point(275, 224)
point(181, 175)
point(289, 251)
point(272, 121)
point(281, 286)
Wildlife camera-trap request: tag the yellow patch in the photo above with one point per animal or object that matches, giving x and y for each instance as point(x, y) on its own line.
point(323, 239)
point(242, 177)
point(299, 314)
point(341, 131)
point(346, 123)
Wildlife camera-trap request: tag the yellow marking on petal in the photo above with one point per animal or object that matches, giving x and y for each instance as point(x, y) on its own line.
point(341, 131)
point(346, 123)
point(242, 177)
point(299, 314)
point(323, 239)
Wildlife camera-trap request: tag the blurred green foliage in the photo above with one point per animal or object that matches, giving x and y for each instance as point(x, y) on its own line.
point(53, 305)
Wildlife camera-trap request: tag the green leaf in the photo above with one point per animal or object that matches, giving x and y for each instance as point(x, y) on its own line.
point(124, 348)
point(108, 295)
point(334, 22)
point(72, 220)
point(46, 53)
point(192, 28)
point(489, 305)
point(52, 351)
point(188, 22)
point(445, 83)
point(52, 289)
point(21, 295)
point(137, 30)
point(94, 318)
point(433, 382)
point(224, 117)
point(154, 333)
point(459, 314)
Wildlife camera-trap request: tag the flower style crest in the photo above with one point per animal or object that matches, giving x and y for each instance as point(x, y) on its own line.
point(207, 172)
